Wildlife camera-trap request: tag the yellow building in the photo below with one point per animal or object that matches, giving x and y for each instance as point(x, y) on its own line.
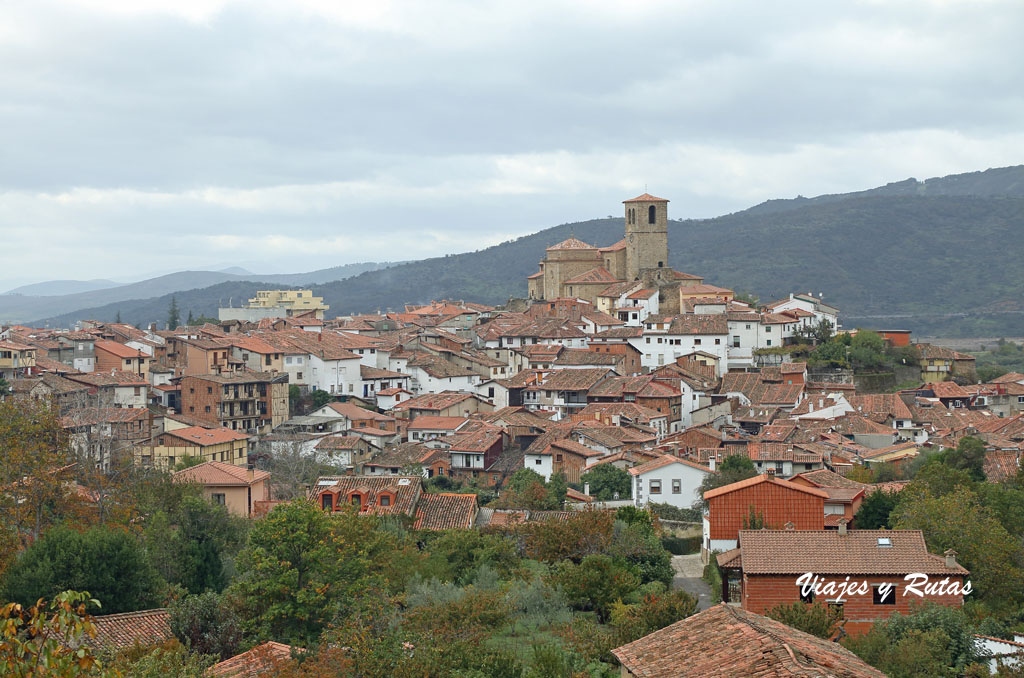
point(293, 301)
point(208, 444)
point(16, 360)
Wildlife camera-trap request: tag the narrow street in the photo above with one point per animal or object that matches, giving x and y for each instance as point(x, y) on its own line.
point(688, 578)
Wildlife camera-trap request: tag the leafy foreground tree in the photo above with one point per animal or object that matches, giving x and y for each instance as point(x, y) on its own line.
point(46, 639)
point(875, 509)
point(608, 482)
point(206, 625)
point(526, 489)
point(109, 562)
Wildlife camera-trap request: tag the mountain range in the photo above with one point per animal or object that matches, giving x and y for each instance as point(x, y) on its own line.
point(945, 256)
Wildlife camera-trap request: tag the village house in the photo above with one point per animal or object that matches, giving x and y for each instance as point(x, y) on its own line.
point(667, 480)
point(396, 495)
point(112, 356)
point(764, 499)
point(196, 442)
point(235, 487)
point(763, 571)
point(16, 360)
point(251, 402)
point(112, 389)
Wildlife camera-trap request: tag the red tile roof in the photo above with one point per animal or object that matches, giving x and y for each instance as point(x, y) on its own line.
point(125, 630)
point(572, 244)
point(445, 511)
point(258, 660)
point(646, 197)
point(666, 460)
point(764, 478)
point(197, 435)
point(594, 275)
point(858, 552)
point(729, 642)
point(436, 423)
point(216, 473)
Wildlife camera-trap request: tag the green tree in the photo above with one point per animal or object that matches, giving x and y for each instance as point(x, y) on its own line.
point(172, 660)
point(5, 387)
point(557, 487)
point(654, 611)
point(190, 321)
point(294, 399)
point(595, 583)
point(957, 521)
point(639, 546)
point(969, 455)
point(734, 468)
point(526, 489)
point(103, 560)
point(173, 317)
point(205, 624)
point(607, 482)
point(321, 398)
point(48, 640)
point(816, 619)
point(875, 509)
point(867, 351)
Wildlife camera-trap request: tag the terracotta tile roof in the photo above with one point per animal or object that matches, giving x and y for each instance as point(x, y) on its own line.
point(728, 642)
point(694, 323)
point(445, 511)
point(105, 415)
point(572, 244)
point(1008, 378)
point(621, 245)
point(406, 490)
point(201, 436)
point(646, 197)
point(627, 332)
point(394, 390)
point(763, 478)
point(595, 275)
point(572, 447)
point(825, 478)
point(880, 407)
point(858, 552)
point(434, 401)
point(112, 378)
point(908, 446)
point(581, 356)
point(435, 423)
point(354, 412)
point(479, 440)
point(260, 659)
point(666, 460)
point(571, 380)
point(339, 443)
point(367, 372)
point(1001, 465)
point(948, 389)
point(125, 630)
point(216, 473)
point(679, 275)
point(618, 289)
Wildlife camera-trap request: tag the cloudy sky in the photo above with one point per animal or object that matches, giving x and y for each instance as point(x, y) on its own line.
point(149, 136)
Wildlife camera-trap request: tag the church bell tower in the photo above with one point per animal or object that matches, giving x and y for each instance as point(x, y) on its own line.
point(646, 234)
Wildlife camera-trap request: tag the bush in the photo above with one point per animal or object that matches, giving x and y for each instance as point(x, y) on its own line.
point(713, 577)
point(204, 624)
point(681, 546)
point(670, 512)
point(815, 619)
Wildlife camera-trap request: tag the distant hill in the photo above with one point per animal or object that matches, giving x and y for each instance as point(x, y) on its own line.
point(59, 287)
point(22, 307)
point(930, 256)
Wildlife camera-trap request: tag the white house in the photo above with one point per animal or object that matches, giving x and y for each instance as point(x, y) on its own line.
point(810, 304)
point(667, 480)
point(666, 338)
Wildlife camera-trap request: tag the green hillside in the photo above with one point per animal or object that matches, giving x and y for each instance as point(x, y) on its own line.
point(928, 259)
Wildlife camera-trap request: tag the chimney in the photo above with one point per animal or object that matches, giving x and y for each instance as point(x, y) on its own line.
point(950, 558)
point(842, 527)
point(790, 526)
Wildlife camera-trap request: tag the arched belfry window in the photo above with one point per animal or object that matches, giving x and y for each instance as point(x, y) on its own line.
point(650, 214)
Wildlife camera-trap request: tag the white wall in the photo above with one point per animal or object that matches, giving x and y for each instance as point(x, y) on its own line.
point(689, 477)
point(541, 463)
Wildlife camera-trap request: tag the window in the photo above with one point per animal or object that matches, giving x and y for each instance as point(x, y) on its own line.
point(209, 389)
point(651, 215)
point(748, 327)
point(718, 342)
point(299, 375)
point(385, 500)
point(677, 486)
point(327, 502)
point(138, 391)
point(1020, 399)
point(537, 462)
point(696, 342)
point(768, 342)
point(207, 408)
point(836, 605)
point(880, 596)
point(736, 341)
point(218, 498)
point(655, 487)
point(647, 339)
point(768, 329)
point(809, 598)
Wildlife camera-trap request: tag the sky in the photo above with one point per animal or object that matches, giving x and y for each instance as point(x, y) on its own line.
point(150, 136)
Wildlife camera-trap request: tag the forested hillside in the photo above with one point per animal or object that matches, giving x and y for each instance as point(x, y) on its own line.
point(920, 256)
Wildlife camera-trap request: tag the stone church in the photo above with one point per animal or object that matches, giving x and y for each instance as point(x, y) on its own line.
point(572, 268)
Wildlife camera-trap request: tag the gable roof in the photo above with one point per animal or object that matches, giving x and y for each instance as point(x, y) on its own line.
point(251, 663)
point(572, 244)
point(445, 511)
point(858, 552)
point(666, 460)
point(125, 630)
point(218, 473)
point(763, 478)
point(728, 642)
point(200, 436)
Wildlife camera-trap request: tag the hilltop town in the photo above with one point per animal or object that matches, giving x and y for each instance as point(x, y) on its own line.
point(621, 421)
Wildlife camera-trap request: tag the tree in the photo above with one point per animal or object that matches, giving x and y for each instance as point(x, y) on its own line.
point(47, 640)
point(595, 583)
point(654, 611)
point(969, 455)
point(33, 457)
point(815, 619)
point(608, 482)
point(875, 509)
point(957, 521)
point(526, 489)
point(294, 399)
point(734, 468)
point(5, 387)
point(109, 563)
point(204, 624)
point(117, 318)
point(173, 318)
point(867, 351)
point(190, 321)
point(321, 398)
